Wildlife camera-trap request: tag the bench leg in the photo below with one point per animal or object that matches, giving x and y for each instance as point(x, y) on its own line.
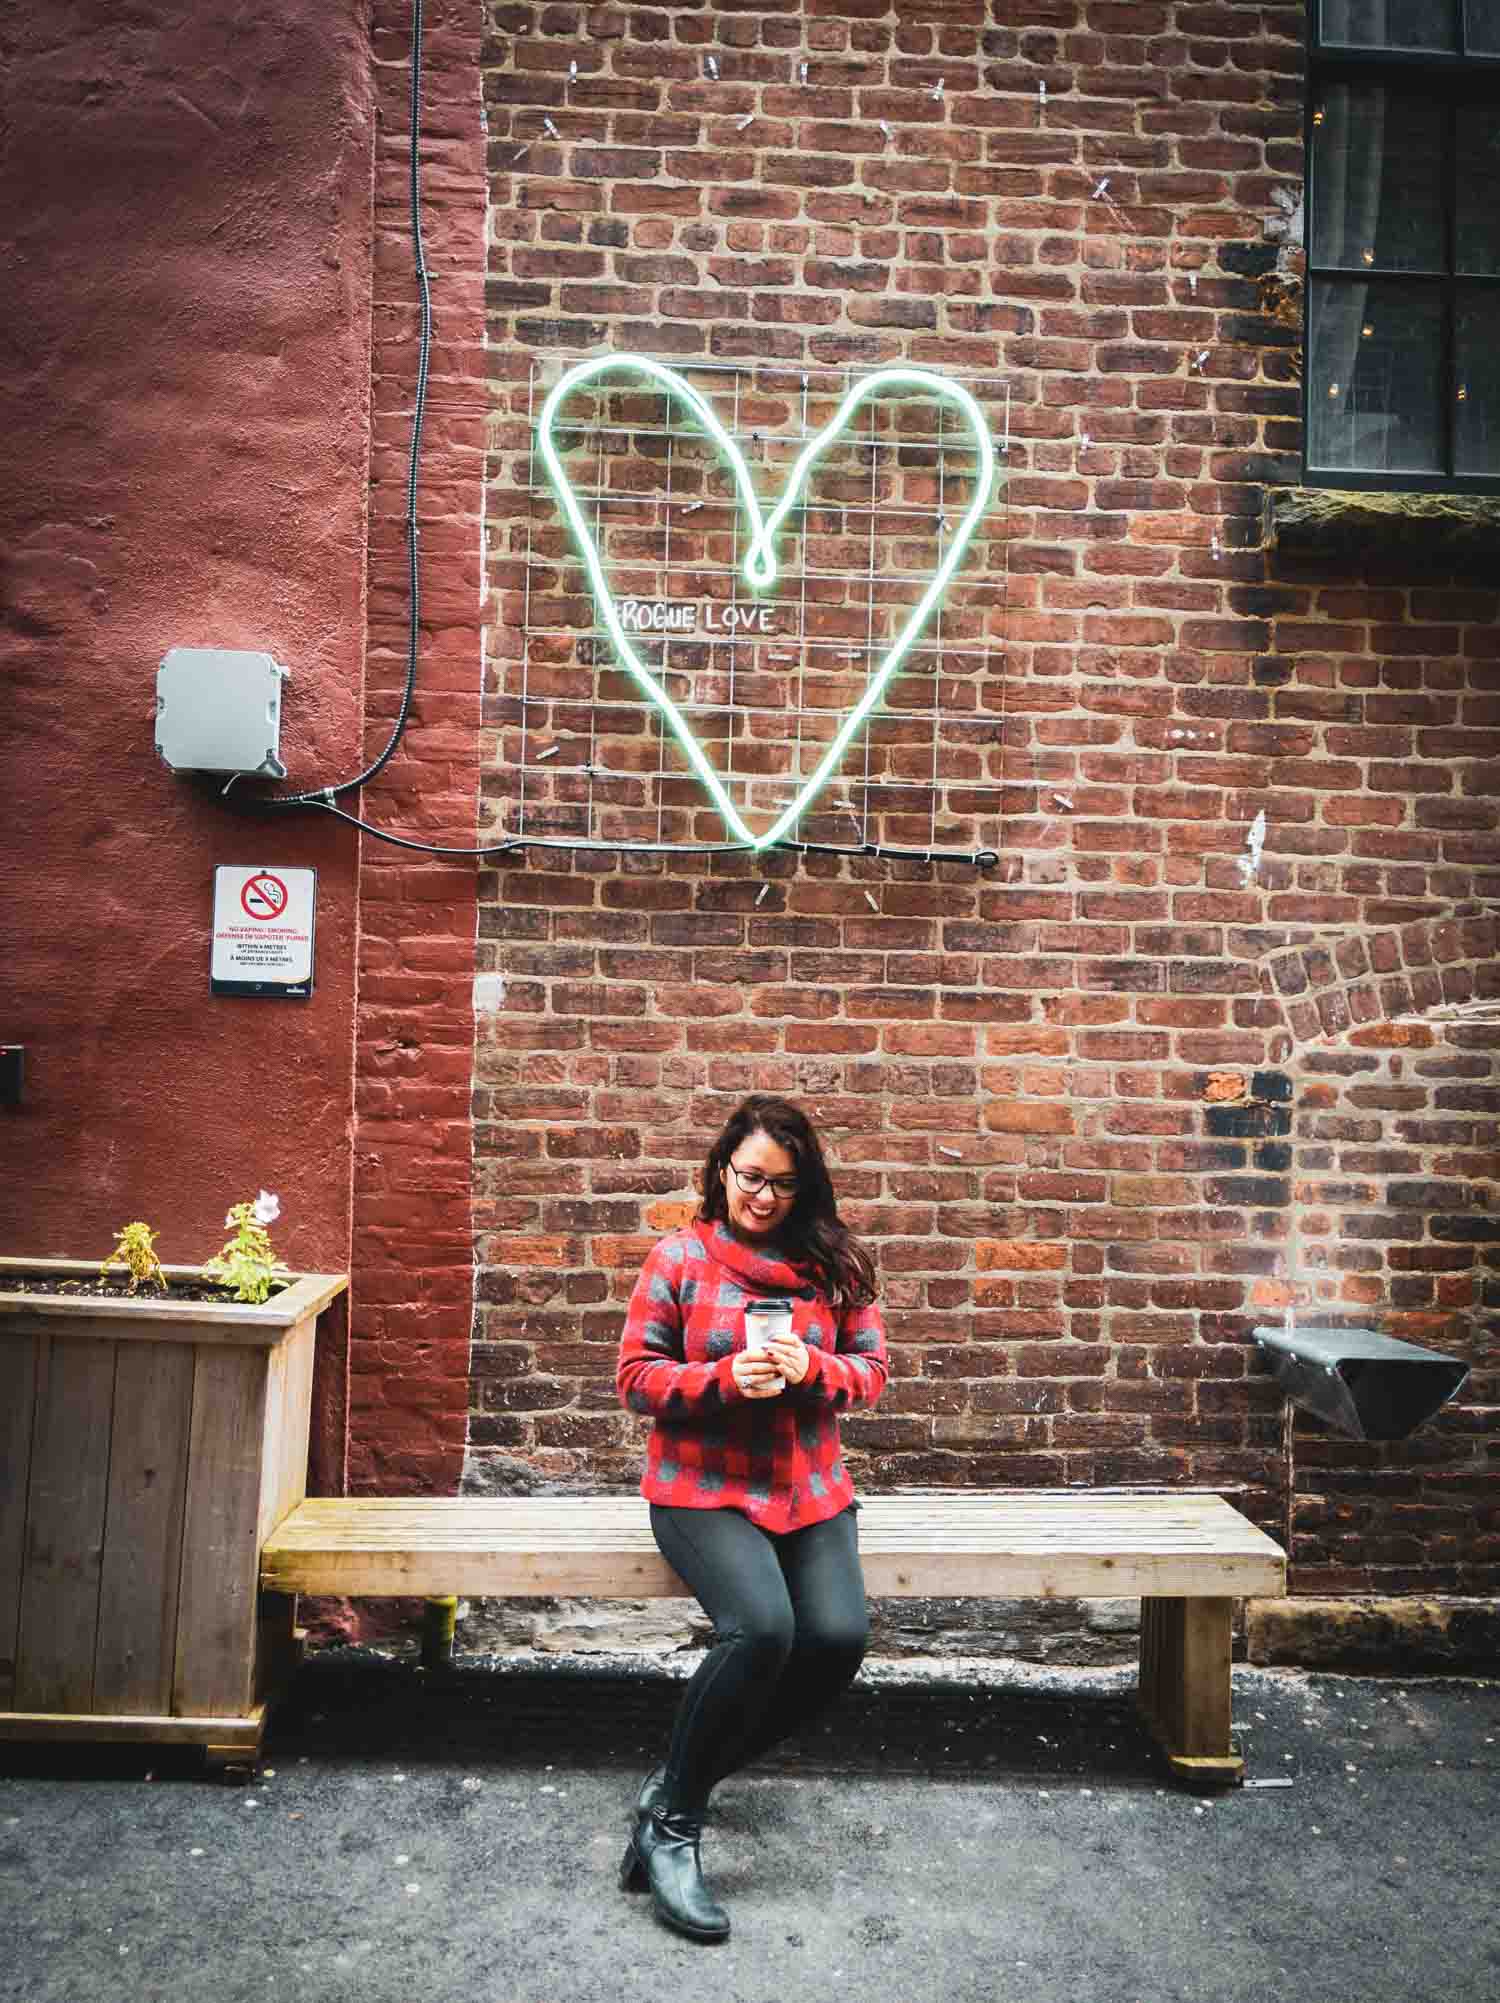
point(280, 1645)
point(1185, 1689)
point(438, 1617)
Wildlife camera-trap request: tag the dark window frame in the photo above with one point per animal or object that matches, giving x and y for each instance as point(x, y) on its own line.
point(1451, 78)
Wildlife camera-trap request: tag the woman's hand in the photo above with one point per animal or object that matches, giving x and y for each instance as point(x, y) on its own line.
point(790, 1355)
point(757, 1374)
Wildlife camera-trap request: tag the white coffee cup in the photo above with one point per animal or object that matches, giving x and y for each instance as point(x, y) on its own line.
point(765, 1320)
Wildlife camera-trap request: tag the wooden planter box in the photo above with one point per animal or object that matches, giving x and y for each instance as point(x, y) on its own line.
point(148, 1447)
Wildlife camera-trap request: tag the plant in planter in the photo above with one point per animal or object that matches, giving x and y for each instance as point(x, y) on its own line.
point(135, 1249)
point(152, 1434)
point(247, 1264)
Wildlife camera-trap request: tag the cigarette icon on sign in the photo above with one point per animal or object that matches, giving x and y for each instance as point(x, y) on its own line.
point(264, 895)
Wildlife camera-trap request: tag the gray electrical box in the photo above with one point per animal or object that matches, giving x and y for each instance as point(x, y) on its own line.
point(218, 710)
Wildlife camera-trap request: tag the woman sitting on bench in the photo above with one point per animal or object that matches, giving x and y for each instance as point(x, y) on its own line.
point(747, 1334)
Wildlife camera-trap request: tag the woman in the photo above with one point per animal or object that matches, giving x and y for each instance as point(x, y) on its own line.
point(751, 1502)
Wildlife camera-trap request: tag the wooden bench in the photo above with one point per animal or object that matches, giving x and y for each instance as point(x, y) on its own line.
point(1189, 1555)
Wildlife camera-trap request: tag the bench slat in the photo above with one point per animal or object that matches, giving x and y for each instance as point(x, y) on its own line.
point(1087, 1544)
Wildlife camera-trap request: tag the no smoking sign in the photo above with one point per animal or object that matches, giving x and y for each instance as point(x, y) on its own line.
point(264, 895)
point(263, 931)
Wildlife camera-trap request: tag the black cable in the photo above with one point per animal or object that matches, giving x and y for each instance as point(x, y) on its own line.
point(502, 847)
point(323, 796)
point(515, 844)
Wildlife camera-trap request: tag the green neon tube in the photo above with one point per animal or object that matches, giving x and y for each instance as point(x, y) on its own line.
point(760, 566)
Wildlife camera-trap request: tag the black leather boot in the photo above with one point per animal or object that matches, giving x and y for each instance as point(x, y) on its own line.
point(662, 1856)
point(653, 1791)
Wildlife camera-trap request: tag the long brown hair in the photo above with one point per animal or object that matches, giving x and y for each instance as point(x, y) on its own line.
point(813, 1233)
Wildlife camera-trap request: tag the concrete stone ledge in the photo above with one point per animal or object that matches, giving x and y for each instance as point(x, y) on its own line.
point(1330, 521)
point(1373, 1635)
point(1083, 1632)
point(1398, 1635)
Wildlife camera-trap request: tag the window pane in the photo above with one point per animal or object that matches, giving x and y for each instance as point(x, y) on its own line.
point(1482, 37)
point(1374, 377)
point(1476, 410)
point(1377, 180)
point(1390, 24)
point(1476, 234)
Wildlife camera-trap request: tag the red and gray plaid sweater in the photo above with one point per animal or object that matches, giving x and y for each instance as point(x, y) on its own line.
point(777, 1460)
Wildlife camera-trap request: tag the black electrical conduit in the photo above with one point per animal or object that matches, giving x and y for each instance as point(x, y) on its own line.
point(323, 797)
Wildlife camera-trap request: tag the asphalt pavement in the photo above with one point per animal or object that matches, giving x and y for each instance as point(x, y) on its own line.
point(971, 1833)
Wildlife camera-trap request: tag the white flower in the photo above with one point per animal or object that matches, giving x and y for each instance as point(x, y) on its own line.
point(267, 1207)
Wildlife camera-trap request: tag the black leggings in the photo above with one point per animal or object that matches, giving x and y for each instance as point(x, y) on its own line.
point(790, 1630)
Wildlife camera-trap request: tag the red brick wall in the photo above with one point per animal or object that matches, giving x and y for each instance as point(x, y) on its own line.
point(1066, 1096)
point(409, 1356)
point(1392, 1222)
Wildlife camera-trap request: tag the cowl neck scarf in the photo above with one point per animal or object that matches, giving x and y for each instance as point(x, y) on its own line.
point(767, 1273)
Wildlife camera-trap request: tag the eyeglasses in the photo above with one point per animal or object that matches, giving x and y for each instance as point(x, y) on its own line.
point(753, 1182)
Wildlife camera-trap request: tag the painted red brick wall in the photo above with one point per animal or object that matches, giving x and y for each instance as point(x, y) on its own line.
point(409, 1359)
point(1079, 1101)
point(185, 237)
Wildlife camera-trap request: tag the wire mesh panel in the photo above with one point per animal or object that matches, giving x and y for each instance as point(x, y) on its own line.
point(640, 647)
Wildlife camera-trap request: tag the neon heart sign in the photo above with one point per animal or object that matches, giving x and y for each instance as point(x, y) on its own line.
point(760, 565)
